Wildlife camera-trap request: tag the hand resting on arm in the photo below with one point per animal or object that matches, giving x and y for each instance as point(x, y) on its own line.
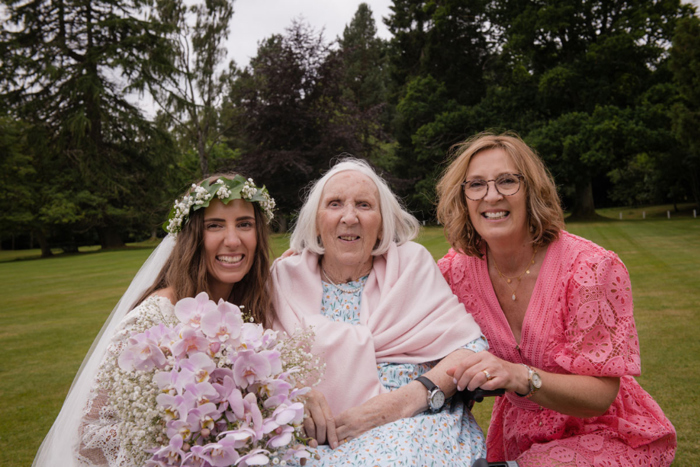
point(575, 395)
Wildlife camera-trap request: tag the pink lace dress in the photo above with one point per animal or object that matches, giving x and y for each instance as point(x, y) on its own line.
point(579, 320)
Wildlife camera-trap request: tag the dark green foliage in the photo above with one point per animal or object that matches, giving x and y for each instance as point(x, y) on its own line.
point(365, 80)
point(192, 90)
point(438, 55)
point(685, 64)
point(289, 116)
point(67, 69)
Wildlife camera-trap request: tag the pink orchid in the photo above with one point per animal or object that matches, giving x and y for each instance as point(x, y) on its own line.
point(275, 359)
point(203, 417)
point(191, 341)
point(142, 353)
point(285, 414)
point(200, 364)
point(171, 405)
point(173, 381)
point(250, 367)
point(253, 416)
point(173, 452)
point(277, 391)
point(254, 457)
point(299, 452)
point(217, 454)
point(232, 398)
point(194, 458)
point(237, 438)
point(224, 323)
point(191, 310)
point(283, 436)
point(251, 336)
point(202, 393)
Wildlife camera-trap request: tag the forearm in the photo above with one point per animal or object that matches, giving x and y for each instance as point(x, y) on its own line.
point(415, 395)
point(575, 395)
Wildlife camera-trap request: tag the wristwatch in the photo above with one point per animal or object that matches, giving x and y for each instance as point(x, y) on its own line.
point(436, 398)
point(533, 380)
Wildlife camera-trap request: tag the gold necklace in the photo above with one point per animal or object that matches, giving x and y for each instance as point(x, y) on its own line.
point(509, 280)
point(350, 290)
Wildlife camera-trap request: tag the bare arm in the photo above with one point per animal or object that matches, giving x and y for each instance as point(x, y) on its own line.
point(404, 402)
point(575, 395)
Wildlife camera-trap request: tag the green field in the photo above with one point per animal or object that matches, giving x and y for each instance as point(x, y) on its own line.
point(53, 308)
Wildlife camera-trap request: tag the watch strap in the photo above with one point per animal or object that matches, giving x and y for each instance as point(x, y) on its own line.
point(531, 386)
point(429, 385)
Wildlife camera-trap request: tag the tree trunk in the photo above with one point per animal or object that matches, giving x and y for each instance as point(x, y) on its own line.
point(109, 238)
point(584, 207)
point(44, 244)
point(282, 222)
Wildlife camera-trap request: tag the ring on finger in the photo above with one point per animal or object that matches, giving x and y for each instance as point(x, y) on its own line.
point(488, 375)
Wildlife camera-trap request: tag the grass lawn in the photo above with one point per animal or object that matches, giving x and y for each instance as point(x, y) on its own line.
point(53, 308)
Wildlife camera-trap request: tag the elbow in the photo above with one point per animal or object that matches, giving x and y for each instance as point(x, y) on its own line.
point(605, 398)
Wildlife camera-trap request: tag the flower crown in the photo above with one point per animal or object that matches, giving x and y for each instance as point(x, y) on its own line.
point(223, 188)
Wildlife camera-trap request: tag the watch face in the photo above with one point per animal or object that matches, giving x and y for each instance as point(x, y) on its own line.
point(437, 400)
point(536, 380)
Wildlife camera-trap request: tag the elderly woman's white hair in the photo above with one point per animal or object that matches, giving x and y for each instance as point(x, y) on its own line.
point(398, 225)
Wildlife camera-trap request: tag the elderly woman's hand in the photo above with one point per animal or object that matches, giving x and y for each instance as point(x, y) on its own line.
point(319, 423)
point(485, 370)
point(379, 410)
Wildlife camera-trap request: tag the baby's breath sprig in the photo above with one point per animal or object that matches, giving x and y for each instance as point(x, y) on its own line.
point(226, 190)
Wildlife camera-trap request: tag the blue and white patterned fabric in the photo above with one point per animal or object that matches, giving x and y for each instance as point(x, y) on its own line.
point(450, 437)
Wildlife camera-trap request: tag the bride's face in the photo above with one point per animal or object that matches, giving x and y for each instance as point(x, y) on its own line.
point(229, 244)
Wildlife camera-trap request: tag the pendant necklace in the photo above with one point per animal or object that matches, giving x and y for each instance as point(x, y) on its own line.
point(509, 280)
point(342, 289)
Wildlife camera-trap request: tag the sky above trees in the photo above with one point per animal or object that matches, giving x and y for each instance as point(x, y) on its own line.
point(254, 20)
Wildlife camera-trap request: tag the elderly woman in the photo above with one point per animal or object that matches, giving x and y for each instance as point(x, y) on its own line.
point(383, 316)
point(557, 311)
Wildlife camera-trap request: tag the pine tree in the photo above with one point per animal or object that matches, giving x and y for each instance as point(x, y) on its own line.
point(68, 67)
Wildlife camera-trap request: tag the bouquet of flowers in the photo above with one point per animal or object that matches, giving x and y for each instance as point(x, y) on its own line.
point(205, 388)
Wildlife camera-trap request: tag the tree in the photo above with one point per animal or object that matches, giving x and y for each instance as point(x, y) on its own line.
point(365, 80)
point(191, 96)
point(585, 58)
point(438, 55)
point(68, 67)
point(685, 64)
point(288, 114)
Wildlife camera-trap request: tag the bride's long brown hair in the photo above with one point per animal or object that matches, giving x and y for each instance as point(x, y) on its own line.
point(185, 271)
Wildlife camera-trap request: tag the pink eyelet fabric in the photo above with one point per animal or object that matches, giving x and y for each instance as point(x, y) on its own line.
point(579, 321)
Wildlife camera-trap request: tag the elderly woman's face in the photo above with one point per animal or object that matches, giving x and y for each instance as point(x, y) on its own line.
point(349, 221)
point(497, 217)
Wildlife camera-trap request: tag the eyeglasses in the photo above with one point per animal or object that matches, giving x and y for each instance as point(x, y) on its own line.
point(506, 185)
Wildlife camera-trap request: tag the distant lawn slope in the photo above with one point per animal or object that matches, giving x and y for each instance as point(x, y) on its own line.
point(52, 309)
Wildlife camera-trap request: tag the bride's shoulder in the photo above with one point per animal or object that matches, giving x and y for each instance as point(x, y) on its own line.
point(167, 292)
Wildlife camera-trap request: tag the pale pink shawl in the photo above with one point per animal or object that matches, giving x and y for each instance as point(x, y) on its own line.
point(408, 315)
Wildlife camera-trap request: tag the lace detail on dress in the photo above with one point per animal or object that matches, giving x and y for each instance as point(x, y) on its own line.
point(600, 330)
point(579, 320)
point(100, 443)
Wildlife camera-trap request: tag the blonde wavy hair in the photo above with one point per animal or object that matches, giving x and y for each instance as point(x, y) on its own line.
point(544, 213)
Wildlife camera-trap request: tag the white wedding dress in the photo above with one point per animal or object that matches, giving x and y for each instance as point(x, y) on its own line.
point(84, 433)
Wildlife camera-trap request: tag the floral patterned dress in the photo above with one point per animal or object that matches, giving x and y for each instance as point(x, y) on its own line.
point(579, 321)
point(450, 437)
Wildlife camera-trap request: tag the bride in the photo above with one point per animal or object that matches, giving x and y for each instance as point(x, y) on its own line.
point(218, 244)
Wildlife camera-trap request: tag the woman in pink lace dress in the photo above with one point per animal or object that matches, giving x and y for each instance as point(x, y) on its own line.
point(557, 312)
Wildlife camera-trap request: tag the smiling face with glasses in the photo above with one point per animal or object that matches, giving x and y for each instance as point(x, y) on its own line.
point(496, 197)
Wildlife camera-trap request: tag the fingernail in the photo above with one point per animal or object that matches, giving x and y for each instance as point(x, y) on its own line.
point(459, 388)
point(454, 380)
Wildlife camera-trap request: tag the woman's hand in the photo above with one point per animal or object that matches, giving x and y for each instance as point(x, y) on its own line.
point(379, 410)
point(319, 423)
point(575, 395)
point(471, 373)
